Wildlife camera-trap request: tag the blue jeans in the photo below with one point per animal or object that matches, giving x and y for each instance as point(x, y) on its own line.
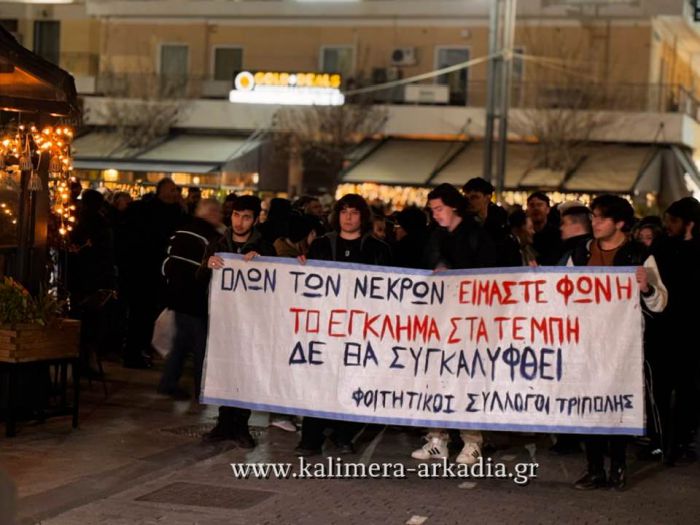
point(190, 337)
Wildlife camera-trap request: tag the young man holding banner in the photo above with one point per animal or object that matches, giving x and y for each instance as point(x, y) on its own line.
point(350, 241)
point(244, 239)
point(459, 243)
point(611, 246)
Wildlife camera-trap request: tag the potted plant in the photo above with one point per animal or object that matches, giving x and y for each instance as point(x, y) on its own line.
point(31, 328)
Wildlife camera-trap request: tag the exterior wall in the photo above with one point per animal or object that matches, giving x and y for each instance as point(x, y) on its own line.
point(80, 44)
point(621, 52)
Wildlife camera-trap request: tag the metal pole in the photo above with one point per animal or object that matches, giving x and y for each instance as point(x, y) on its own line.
point(506, 62)
point(494, 20)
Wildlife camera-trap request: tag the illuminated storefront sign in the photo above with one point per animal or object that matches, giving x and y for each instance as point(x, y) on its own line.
point(295, 89)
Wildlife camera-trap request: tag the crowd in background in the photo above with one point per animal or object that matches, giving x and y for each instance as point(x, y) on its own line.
point(129, 259)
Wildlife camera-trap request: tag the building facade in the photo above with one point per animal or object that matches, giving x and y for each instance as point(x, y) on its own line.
point(632, 62)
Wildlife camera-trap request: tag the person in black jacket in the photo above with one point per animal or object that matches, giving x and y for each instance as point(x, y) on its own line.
point(459, 243)
point(149, 225)
point(677, 363)
point(187, 297)
point(244, 239)
point(575, 227)
point(547, 240)
point(411, 238)
point(492, 217)
point(350, 241)
point(92, 278)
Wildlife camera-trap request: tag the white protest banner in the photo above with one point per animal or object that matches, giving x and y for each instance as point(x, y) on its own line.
point(522, 349)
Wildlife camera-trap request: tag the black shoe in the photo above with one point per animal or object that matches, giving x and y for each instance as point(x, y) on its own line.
point(244, 440)
point(305, 452)
point(590, 481)
point(687, 453)
point(650, 453)
point(344, 449)
point(217, 434)
point(565, 448)
point(178, 394)
point(618, 478)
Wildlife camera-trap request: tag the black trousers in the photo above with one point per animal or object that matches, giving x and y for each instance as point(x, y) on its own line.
point(312, 431)
point(597, 446)
point(233, 421)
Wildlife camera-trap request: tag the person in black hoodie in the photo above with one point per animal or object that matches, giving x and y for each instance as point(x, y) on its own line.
point(350, 241)
point(187, 297)
point(244, 239)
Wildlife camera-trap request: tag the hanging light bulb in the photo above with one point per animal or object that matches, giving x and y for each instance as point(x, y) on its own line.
point(25, 160)
point(34, 182)
point(55, 165)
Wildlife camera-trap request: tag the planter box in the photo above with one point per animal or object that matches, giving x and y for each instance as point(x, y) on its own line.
point(29, 342)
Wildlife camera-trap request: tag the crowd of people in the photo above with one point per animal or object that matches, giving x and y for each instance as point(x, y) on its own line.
point(158, 252)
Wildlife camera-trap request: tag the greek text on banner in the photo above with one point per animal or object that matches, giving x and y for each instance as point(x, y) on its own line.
point(540, 350)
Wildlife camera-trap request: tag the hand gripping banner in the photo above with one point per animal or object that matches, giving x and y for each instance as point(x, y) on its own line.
point(521, 349)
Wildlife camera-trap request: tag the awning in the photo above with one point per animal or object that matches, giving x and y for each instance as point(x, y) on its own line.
point(144, 166)
point(605, 168)
point(182, 153)
point(204, 148)
point(470, 161)
point(102, 144)
point(686, 161)
point(610, 168)
point(403, 162)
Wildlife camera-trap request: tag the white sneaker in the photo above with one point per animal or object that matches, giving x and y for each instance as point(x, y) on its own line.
point(470, 454)
point(435, 448)
point(284, 424)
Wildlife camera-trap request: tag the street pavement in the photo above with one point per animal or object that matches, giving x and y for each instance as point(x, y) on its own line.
point(138, 458)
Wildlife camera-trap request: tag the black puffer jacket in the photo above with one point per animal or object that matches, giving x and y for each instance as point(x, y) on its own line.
point(184, 293)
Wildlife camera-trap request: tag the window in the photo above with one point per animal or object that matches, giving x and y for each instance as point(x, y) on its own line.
point(174, 69)
point(46, 39)
point(457, 81)
point(228, 61)
point(338, 59)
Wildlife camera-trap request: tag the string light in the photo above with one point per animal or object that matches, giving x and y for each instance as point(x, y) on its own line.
point(18, 150)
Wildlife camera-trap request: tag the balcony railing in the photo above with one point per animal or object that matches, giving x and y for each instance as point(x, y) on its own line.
point(660, 98)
